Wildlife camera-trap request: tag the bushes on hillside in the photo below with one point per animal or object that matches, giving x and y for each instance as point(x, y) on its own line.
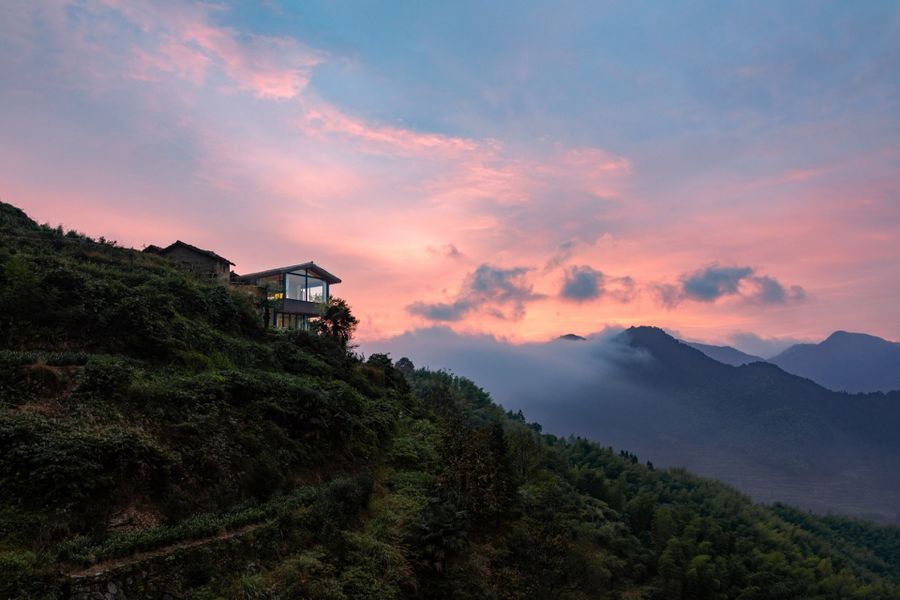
point(75, 472)
point(105, 298)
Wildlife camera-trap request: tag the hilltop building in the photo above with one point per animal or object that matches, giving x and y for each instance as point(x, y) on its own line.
point(292, 294)
point(287, 296)
point(203, 263)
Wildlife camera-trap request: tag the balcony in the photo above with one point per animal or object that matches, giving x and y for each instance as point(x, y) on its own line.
point(299, 307)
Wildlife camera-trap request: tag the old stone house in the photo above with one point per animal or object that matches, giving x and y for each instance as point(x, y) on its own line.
point(203, 263)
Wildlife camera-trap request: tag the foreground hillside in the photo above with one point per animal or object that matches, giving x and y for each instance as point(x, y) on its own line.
point(154, 439)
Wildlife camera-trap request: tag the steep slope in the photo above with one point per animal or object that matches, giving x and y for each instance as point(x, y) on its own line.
point(853, 362)
point(155, 441)
point(726, 354)
point(135, 398)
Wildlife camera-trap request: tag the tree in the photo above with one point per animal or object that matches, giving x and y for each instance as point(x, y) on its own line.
point(671, 569)
point(337, 321)
point(476, 475)
point(664, 528)
point(405, 366)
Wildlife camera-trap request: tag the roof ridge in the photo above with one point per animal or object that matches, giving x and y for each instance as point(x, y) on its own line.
point(197, 249)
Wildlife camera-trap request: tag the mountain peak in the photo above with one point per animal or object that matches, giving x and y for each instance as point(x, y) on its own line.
point(674, 359)
point(855, 362)
point(572, 337)
point(647, 333)
point(841, 336)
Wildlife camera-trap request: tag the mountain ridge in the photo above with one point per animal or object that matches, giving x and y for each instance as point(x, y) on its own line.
point(759, 416)
point(726, 354)
point(843, 361)
point(846, 361)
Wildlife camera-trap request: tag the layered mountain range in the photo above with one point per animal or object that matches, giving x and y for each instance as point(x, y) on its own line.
point(852, 362)
point(773, 434)
point(776, 435)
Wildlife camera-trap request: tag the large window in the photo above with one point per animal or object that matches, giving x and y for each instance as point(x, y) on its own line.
point(304, 287)
point(316, 290)
point(273, 286)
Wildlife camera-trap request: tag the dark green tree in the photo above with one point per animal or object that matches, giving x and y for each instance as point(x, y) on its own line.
point(476, 475)
point(337, 321)
point(671, 569)
point(405, 366)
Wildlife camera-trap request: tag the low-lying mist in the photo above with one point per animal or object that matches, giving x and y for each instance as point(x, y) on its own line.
point(568, 386)
point(770, 434)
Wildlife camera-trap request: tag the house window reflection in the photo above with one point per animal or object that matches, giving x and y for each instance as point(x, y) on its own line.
point(306, 288)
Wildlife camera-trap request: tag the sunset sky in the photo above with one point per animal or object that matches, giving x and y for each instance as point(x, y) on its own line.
point(730, 171)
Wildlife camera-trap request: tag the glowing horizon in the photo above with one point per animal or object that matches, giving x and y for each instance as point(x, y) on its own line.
point(717, 171)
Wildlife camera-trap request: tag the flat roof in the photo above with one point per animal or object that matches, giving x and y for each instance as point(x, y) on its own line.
point(309, 266)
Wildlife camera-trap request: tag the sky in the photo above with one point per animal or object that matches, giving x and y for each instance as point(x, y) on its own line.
point(728, 171)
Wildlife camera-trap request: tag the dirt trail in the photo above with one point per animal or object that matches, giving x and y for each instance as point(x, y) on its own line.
point(125, 561)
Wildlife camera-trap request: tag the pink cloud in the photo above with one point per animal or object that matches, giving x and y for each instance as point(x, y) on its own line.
point(181, 40)
point(270, 67)
point(269, 183)
point(173, 57)
point(326, 119)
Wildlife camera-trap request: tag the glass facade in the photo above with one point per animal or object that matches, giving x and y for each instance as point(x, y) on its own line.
point(287, 293)
point(280, 320)
point(301, 286)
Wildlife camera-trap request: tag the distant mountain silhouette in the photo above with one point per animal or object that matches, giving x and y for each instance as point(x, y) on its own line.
point(853, 362)
point(726, 354)
point(773, 434)
point(572, 337)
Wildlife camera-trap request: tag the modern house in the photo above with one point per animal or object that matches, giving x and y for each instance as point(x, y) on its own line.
point(287, 296)
point(292, 294)
point(203, 263)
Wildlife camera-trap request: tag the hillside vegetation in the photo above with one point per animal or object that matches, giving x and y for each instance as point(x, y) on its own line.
point(144, 412)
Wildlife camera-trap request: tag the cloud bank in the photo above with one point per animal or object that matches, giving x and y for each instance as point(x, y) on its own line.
point(502, 293)
point(715, 282)
point(584, 283)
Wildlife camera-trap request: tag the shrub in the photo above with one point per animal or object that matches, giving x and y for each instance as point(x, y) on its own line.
point(86, 550)
point(60, 466)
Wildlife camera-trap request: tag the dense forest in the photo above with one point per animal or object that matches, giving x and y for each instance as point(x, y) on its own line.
point(156, 438)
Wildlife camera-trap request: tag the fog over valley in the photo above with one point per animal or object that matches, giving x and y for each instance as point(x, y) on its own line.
point(773, 435)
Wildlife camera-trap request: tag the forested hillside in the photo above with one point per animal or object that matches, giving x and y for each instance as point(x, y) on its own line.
point(156, 439)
